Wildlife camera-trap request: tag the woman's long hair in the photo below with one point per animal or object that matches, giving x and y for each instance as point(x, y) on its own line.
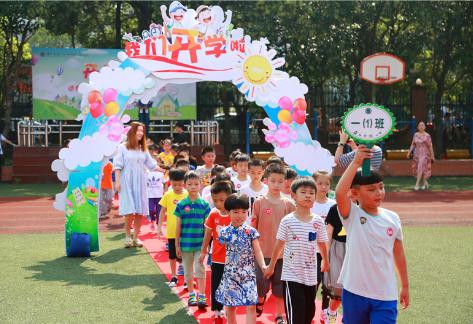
point(131, 142)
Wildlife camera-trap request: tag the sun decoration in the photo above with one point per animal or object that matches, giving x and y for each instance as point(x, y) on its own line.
point(256, 71)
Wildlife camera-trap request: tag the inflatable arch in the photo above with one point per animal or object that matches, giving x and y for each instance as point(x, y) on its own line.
point(194, 45)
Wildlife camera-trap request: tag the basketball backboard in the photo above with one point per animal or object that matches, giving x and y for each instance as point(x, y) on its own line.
point(382, 68)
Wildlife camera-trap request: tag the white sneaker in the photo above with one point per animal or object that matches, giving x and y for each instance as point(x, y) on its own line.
point(128, 242)
point(137, 242)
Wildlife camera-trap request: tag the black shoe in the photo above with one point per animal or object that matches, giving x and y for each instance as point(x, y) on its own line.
point(172, 282)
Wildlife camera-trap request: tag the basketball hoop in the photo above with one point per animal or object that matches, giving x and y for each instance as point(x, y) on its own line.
point(382, 68)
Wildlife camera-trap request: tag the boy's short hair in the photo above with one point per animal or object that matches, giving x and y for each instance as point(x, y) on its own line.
point(183, 147)
point(177, 175)
point(235, 201)
point(179, 157)
point(242, 158)
point(234, 154)
point(221, 177)
point(290, 174)
point(174, 147)
point(152, 147)
point(207, 149)
point(180, 163)
point(319, 173)
point(217, 169)
point(274, 160)
point(221, 186)
point(360, 180)
point(307, 182)
point(275, 168)
point(191, 175)
point(256, 163)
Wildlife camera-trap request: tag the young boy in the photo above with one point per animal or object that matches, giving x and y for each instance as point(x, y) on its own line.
point(191, 213)
point(291, 175)
point(242, 179)
point(374, 248)
point(300, 233)
point(208, 156)
point(218, 219)
point(268, 211)
point(166, 157)
point(168, 205)
point(255, 188)
point(206, 194)
point(232, 169)
point(155, 188)
point(106, 190)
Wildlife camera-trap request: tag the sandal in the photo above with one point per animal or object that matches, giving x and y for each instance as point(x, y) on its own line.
point(260, 307)
point(280, 320)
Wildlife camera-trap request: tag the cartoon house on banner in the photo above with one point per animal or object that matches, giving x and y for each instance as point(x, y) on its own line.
point(185, 50)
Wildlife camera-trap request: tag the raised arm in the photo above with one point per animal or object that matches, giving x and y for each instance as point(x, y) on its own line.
point(341, 144)
point(401, 266)
point(344, 184)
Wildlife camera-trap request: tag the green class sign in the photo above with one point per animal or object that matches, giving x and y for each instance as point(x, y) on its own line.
point(368, 124)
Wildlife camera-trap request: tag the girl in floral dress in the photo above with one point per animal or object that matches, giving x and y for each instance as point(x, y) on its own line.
point(238, 285)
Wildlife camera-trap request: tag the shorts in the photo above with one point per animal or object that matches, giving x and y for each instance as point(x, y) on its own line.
point(192, 266)
point(362, 310)
point(274, 281)
point(172, 250)
point(337, 255)
point(154, 209)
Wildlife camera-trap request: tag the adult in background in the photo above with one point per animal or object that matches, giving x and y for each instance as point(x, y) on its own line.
point(344, 160)
point(2, 159)
point(130, 166)
point(422, 154)
point(181, 135)
point(143, 114)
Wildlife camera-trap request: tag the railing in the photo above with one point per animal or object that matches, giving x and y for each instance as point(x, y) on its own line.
point(34, 133)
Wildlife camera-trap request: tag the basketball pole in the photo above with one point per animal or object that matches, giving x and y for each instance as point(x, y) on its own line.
point(373, 93)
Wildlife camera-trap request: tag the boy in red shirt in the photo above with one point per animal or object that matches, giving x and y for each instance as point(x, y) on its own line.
point(217, 220)
point(106, 190)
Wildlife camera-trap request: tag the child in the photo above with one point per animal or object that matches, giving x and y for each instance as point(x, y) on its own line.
point(374, 248)
point(218, 219)
point(155, 192)
point(291, 175)
point(255, 188)
point(300, 233)
point(232, 170)
point(206, 195)
point(242, 179)
point(106, 190)
point(208, 156)
point(321, 207)
point(166, 157)
point(337, 238)
point(268, 211)
point(191, 213)
point(168, 205)
point(238, 284)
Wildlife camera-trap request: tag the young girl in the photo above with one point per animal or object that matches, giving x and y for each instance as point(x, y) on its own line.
point(238, 285)
point(321, 207)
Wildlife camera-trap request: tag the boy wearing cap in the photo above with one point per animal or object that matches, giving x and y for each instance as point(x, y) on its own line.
point(373, 250)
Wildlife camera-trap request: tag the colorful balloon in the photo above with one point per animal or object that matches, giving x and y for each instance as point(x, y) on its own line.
point(96, 109)
point(110, 95)
point(285, 103)
point(284, 116)
point(300, 103)
point(299, 116)
point(94, 96)
point(112, 108)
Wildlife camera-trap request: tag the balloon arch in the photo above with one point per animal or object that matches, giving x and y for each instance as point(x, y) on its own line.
point(194, 45)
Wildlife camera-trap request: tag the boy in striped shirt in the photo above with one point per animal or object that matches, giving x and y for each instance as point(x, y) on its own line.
point(299, 234)
point(191, 213)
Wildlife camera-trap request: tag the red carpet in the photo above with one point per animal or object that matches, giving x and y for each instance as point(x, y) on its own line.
point(155, 248)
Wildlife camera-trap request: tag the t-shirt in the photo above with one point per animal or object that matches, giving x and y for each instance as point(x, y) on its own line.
point(204, 174)
point(333, 219)
point(169, 201)
point(232, 173)
point(207, 196)
point(368, 269)
point(167, 158)
point(192, 215)
point(266, 218)
point(252, 195)
point(216, 222)
point(239, 184)
point(288, 196)
point(300, 254)
point(322, 210)
point(376, 159)
point(155, 184)
point(2, 139)
point(106, 183)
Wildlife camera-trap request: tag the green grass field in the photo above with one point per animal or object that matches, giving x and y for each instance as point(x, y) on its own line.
point(118, 285)
point(46, 109)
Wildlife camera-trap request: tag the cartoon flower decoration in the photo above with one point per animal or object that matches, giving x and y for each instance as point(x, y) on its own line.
point(256, 70)
point(113, 129)
point(281, 135)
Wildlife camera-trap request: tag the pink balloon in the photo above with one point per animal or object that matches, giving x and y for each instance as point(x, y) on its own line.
point(96, 109)
point(110, 95)
point(285, 103)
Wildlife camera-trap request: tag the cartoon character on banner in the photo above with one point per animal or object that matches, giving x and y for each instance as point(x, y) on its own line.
point(154, 31)
point(220, 26)
point(204, 17)
point(175, 19)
